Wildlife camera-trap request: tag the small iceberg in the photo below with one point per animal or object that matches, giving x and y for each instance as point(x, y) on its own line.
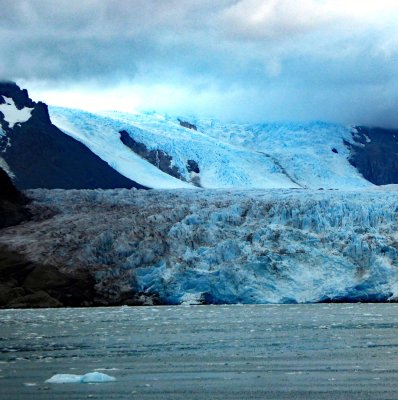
point(91, 377)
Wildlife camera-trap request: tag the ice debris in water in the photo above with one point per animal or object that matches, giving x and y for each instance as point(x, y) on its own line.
point(91, 377)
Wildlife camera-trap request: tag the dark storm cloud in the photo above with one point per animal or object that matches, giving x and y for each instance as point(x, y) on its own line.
point(75, 40)
point(241, 59)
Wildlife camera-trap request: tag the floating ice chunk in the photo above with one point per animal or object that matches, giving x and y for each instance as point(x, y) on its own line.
point(109, 369)
point(97, 377)
point(65, 378)
point(91, 377)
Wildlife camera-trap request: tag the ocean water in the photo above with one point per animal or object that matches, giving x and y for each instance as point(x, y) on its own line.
point(333, 351)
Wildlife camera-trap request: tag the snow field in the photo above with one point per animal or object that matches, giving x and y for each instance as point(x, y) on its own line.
point(229, 155)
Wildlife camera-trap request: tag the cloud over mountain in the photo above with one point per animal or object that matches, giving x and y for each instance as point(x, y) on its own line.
point(247, 59)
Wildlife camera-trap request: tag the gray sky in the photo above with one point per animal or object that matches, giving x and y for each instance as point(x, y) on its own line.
point(254, 60)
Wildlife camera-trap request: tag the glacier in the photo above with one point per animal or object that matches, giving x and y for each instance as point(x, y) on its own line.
point(240, 156)
point(220, 246)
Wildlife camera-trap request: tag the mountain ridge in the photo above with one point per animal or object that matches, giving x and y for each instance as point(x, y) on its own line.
point(38, 154)
point(56, 147)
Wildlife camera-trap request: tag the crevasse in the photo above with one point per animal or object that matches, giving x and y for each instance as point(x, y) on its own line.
point(218, 246)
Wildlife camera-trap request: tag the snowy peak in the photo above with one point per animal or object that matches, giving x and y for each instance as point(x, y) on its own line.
point(19, 96)
point(17, 108)
point(15, 105)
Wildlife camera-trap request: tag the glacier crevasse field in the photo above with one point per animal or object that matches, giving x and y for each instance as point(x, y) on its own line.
point(220, 246)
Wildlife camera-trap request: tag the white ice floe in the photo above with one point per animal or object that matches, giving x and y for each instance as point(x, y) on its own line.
point(91, 377)
point(11, 113)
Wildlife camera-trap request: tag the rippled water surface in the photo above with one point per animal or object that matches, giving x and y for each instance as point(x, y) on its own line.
point(335, 351)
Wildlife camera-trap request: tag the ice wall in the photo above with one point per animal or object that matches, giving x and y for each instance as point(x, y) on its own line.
point(274, 246)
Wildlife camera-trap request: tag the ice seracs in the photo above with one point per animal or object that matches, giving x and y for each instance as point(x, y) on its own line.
point(11, 113)
point(222, 246)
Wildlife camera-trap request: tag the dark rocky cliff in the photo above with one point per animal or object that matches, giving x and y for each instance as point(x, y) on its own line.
point(158, 158)
point(42, 156)
point(12, 202)
point(375, 154)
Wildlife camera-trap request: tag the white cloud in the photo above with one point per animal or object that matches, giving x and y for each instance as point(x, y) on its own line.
point(265, 59)
point(276, 19)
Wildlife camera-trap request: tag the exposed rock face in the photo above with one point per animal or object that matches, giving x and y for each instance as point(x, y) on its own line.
point(375, 154)
point(161, 159)
point(20, 96)
point(26, 284)
point(12, 202)
point(41, 156)
point(187, 124)
point(192, 166)
point(158, 158)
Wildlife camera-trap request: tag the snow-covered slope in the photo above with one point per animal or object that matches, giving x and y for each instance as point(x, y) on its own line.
point(101, 136)
point(236, 156)
point(221, 246)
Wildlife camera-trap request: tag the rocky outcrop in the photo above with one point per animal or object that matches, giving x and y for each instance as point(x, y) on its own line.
point(374, 153)
point(162, 160)
point(42, 156)
point(187, 124)
point(27, 284)
point(12, 202)
point(158, 158)
point(24, 284)
point(192, 166)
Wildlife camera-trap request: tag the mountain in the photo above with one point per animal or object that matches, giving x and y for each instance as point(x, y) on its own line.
point(57, 147)
point(37, 154)
point(262, 232)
